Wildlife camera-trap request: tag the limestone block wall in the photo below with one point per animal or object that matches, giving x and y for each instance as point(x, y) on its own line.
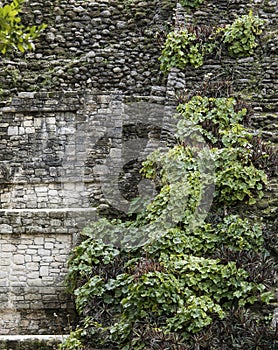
point(32, 269)
point(63, 154)
point(54, 145)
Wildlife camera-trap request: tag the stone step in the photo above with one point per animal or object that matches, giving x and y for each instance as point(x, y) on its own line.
point(30, 342)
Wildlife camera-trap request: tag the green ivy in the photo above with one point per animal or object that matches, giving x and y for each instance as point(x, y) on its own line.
point(174, 282)
point(240, 36)
point(181, 49)
point(185, 48)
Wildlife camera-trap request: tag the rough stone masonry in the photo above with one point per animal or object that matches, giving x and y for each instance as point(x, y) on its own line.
point(70, 111)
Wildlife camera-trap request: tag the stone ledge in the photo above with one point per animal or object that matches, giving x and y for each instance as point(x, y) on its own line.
point(67, 221)
point(21, 338)
point(30, 342)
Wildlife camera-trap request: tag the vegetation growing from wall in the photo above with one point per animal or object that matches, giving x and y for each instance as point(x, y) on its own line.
point(190, 271)
point(187, 272)
point(181, 49)
point(14, 35)
point(240, 36)
point(189, 46)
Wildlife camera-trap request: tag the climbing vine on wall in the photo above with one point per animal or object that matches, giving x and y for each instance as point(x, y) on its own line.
point(189, 46)
point(179, 281)
point(166, 277)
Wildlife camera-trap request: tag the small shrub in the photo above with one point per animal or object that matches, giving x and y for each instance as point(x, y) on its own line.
point(240, 36)
point(180, 50)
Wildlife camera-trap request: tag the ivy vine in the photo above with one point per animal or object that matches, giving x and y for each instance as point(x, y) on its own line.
point(178, 281)
point(189, 46)
point(162, 278)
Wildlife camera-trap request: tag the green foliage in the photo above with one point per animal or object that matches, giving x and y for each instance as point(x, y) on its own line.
point(188, 47)
point(239, 234)
point(73, 342)
point(240, 36)
point(13, 35)
point(236, 181)
point(169, 280)
point(178, 281)
point(180, 50)
point(217, 120)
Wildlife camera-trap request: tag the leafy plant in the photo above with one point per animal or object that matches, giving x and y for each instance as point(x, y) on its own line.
point(188, 46)
point(217, 120)
point(168, 283)
point(240, 36)
point(14, 35)
point(177, 281)
point(180, 50)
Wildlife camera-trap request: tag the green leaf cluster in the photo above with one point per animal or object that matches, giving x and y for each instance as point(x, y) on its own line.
point(216, 119)
point(14, 35)
point(183, 48)
point(175, 282)
point(240, 36)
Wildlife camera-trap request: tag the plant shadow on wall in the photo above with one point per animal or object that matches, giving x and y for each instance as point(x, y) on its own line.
point(175, 276)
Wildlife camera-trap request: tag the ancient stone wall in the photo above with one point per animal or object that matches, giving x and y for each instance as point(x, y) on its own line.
point(108, 45)
point(79, 114)
point(62, 155)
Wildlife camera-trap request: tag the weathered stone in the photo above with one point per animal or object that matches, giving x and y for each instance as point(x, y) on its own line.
point(57, 143)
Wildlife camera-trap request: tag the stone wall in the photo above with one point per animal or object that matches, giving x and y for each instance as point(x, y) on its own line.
point(62, 155)
point(32, 269)
point(108, 45)
point(77, 117)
